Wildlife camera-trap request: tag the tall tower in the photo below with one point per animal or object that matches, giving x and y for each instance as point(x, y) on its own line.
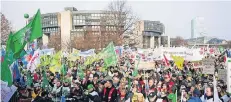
point(197, 27)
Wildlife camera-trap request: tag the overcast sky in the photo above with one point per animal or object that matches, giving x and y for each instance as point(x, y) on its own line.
point(175, 15)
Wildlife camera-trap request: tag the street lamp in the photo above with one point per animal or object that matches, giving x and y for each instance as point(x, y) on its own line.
point(26, 16)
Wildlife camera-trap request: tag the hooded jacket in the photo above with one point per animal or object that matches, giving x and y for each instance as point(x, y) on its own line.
point(194, 99)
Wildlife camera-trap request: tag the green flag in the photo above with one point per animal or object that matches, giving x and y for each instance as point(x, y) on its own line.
point(221, 49)
point(45, 82)
point(109, 55)
point(36, 27)
point(173, 97)
point(6, 74)
point(29, 79)
point(135, 72)
point(63, 70)
point(30, 32)
point(80, 72)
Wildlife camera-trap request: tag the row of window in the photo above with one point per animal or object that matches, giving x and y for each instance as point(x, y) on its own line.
point(50, 23)
point(83, 16)
point(83, 22)
point(50, 29)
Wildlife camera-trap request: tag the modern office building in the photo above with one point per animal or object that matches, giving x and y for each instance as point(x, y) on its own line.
point(151, 34)
point(197, 27)
point(80, 29)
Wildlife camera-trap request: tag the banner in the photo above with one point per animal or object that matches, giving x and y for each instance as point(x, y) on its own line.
point(87, 53)
point(47, 51)
point(7, 92)
point(186, 53)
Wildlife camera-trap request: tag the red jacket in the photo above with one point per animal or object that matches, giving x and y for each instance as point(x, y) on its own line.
point(170, 85)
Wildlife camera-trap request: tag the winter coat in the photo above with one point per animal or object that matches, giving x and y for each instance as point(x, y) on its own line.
point(56, 93)
point(66, 91)
point(194, 99)
point(113, 95)
point(94, 97)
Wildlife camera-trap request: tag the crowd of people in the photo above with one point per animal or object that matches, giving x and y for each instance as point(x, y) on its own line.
point(119, 83)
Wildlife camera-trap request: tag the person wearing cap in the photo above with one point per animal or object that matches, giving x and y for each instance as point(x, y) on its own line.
point(189, 81)
point(92, 94)
point(100, 88)
point(66, 88)
point(109, 92)
point(37, 91)
point(195, 96)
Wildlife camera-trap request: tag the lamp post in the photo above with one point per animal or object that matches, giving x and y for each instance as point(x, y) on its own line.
point(26, 16)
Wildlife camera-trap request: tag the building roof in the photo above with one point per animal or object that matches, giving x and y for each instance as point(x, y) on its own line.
point(215, 41)
point(89, 11)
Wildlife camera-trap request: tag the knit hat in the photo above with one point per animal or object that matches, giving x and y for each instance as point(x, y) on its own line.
point(90, 86)
point(36, 85)
point(196, 92)
point(173, 75)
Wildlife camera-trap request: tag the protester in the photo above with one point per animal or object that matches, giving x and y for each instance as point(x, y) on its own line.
point(122, 82)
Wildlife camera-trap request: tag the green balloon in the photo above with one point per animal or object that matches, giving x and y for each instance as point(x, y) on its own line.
point(26, 15)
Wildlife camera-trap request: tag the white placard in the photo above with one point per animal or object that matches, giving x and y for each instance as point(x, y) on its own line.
point(7, 92)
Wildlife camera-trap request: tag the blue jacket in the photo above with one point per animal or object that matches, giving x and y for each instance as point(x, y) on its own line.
point(194, 99)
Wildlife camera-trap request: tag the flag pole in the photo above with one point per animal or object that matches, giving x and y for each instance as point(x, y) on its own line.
point(26, 16)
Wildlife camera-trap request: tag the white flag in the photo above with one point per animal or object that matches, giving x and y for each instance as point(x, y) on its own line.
point(35, 60)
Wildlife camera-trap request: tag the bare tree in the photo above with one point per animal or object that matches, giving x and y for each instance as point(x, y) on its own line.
point(119, 20)
point(178, 41)
point(67, 44)
point(55, 41)
point(5, 28)
point(132, 39)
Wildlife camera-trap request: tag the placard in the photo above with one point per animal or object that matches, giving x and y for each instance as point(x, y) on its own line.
point(208, 66)
point(208, 69)
point(145, 65)
point(222, 74)
point(7, 92)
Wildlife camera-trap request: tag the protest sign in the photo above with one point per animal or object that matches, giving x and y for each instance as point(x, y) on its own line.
point(208, 66)
point(7, 92)
point(145, 65)
point(222, 74)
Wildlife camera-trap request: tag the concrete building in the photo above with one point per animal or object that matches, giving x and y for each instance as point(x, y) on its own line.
point(150, 34)
point(80, 29)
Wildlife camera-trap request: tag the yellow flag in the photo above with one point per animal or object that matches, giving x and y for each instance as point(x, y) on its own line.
point(74, 55)
point(179, 61)
point(56, 62)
